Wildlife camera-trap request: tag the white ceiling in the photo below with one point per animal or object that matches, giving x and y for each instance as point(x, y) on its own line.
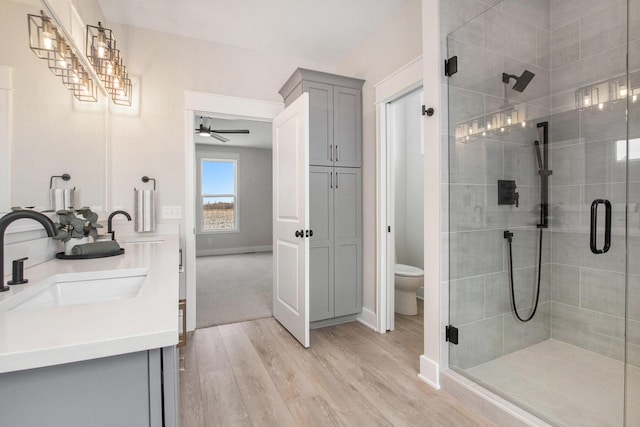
point(323, 31)
point(259, 133)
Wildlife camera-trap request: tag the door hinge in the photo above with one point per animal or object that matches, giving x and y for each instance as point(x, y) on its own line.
point(451, 66)
point(388, 229)
point(451, 334)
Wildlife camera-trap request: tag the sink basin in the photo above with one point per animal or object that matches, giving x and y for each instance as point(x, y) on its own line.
point(79, 288)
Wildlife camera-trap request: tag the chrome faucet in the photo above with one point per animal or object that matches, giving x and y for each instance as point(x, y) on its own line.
point(110, 226)
point(6, 220)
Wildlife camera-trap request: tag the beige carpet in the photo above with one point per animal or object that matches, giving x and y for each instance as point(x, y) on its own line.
point(233, 288)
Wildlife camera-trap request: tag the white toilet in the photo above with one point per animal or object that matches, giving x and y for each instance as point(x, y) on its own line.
point(408, 280)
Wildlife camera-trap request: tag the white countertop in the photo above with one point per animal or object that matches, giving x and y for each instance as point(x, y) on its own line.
point(33, 338)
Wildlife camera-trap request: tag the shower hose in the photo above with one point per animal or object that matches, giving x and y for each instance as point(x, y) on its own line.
point(513, 293)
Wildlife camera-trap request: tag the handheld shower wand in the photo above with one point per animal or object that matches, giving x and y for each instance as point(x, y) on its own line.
point(542, 156)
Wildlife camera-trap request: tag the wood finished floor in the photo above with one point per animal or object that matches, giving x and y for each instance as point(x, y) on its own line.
point(255, 374)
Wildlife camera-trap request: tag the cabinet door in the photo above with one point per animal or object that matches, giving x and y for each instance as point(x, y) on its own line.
point(348, 240)
point(321, 243)
point(347, 134)
point(320, 123)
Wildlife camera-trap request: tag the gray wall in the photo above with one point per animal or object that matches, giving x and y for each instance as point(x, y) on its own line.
point(254, 203)
point(588, 291)
point(478, 257)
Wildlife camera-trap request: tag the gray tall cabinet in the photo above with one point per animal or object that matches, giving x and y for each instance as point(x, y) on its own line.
point(335, 187)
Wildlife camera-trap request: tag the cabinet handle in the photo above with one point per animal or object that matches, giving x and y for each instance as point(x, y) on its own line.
point(337, 180)
point(181, 364)
point(180, 266)
point(331, 182)
point(337, 153)
point(331, 153)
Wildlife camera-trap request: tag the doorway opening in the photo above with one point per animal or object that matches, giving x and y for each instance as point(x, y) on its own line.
point(239, 111)
point(405, 207)
point(233, 220)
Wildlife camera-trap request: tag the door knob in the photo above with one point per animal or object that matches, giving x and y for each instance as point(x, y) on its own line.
point(309, 233)
point(299, 233)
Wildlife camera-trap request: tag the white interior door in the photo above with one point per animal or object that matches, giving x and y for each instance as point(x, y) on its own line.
point(291, 219)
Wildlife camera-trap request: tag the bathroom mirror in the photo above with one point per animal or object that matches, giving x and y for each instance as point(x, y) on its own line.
point(51, 133)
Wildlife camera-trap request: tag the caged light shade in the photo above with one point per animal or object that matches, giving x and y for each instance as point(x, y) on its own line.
point(48, 43)
point(106, 60)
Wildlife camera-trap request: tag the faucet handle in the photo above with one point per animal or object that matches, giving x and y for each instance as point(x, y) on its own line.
point(17, 273)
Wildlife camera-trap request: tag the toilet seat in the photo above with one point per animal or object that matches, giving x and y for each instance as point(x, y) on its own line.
point(408, 271)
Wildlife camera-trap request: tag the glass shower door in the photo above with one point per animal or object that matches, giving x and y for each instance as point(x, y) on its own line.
point(542, 206)
point(632, 372)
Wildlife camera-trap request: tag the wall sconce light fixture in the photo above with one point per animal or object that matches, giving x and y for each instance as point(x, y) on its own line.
point(48, 43)
point(106, 60)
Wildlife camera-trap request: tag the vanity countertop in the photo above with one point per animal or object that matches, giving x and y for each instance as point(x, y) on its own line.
point(37, 337)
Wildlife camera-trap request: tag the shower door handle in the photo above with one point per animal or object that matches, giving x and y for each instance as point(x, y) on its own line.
point(594, 226)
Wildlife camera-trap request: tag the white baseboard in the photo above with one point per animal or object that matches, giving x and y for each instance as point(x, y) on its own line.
point(368, 318)
point(231, 251)
point(429, 372)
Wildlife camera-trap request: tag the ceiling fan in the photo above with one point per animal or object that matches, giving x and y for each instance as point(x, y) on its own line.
point(205, 130)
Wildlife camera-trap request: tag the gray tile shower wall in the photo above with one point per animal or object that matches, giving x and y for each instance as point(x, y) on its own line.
point(569, 44)
point(588, 46)
point(477, 255)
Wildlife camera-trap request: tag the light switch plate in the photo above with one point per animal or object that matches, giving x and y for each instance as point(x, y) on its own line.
point(171, 212)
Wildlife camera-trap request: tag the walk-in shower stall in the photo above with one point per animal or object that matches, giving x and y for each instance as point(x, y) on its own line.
point(544, 207)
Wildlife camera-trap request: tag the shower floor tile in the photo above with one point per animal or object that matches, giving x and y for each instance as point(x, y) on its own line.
point(568, 385)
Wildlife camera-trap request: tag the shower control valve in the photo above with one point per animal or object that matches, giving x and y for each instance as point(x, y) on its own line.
point(508, 235)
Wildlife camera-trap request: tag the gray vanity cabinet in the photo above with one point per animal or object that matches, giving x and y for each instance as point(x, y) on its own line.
point(135, 389)
point(335, 265)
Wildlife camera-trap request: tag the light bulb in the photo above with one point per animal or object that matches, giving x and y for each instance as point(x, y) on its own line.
point(501, 129)
point(47, 32)
point(46, 38)
point(509, 120)
point(75, 70)
point(101, 43)
point(600, 106)
point(587, 101)
point(61, 49)
point(524, 124)
point(489, 126)
point(623, 92)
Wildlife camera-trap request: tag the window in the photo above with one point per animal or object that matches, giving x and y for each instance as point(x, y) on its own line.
point(219, 195)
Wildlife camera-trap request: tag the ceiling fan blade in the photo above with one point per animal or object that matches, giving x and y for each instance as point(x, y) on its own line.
point(230, 130)
point(220, 138)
